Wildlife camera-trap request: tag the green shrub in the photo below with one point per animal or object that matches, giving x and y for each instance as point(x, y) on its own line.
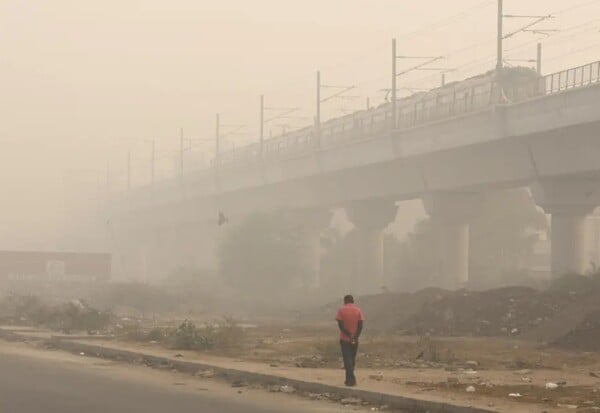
point(157, 334)
point(190, 337)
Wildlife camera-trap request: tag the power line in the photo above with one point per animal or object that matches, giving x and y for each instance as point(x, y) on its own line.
point(448, 20)
point(572, 52)
point(436, 25)
point(575, 7)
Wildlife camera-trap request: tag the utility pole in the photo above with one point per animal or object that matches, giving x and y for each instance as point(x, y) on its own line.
point(318, 116)
point(539, 59)
point(262, 125)
point(500, 34)
point(395, 74)
point(443, 79)
point(394, 88)
point(368, 103)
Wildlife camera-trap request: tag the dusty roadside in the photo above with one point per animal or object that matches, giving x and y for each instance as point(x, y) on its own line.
point(428, 384)
point(203, 391)
point(439, 384)
point(511, 349)
point(244, 375)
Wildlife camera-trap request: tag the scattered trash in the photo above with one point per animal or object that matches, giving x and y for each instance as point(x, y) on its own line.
point(351, 400)
point(207, 374)
point(552, 386)
point(470, 389)
point(514, 395)
point(568, 406)
point(82, 354)
point(287, 389)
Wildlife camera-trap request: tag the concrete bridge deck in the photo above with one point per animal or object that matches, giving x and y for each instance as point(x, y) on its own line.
point(543, 134)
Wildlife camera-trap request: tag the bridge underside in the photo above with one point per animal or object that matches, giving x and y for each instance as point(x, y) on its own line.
point(547, 143)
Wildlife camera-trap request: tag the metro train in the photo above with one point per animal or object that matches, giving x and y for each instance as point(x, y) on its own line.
point(476, 93)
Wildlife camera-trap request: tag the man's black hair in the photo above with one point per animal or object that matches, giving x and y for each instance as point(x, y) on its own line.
point(348, 299)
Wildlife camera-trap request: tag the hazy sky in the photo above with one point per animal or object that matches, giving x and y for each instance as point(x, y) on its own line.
point(83, 82)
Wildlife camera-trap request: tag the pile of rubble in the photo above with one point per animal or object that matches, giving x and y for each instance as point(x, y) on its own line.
point(585, 336)
point(499, 312)
point(541, 315)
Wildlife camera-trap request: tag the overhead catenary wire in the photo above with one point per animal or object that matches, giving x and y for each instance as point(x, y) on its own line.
point(558, 37)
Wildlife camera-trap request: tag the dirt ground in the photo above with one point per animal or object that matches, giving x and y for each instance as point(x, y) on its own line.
point(508, 348)
point(429, 367)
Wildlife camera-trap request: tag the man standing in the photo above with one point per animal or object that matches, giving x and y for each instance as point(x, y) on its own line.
point(350, 322)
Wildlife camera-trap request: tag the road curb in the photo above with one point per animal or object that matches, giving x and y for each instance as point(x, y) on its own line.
point(233, 375)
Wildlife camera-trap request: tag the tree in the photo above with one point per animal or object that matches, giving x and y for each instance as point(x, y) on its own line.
point(262, 254)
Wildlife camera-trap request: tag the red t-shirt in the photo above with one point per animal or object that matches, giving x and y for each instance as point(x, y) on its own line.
point(350, 315)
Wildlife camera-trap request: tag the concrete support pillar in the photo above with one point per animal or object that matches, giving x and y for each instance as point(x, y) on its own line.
point(454, 253)
point(568, 242)
point(569, 201)
point(370, 219)
point(452, 212)
point(310, 223)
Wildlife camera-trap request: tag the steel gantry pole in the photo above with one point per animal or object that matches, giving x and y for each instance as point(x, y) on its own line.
point(394, 87)
point(539, 59)
point(318, 114)
point(500, 34)
point(262, 125)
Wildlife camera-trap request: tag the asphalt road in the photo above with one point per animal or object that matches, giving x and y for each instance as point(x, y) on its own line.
point(31, 384)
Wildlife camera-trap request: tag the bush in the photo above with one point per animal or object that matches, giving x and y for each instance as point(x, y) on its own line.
point(227, 336)
point(80, 317)
point(157, 334)
point(75, 315)
point(190, 337)
point(262, 255)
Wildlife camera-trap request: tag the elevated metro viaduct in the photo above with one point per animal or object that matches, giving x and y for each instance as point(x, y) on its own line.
point(547, 141)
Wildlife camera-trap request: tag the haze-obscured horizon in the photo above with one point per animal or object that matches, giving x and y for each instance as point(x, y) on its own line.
point(83, 83)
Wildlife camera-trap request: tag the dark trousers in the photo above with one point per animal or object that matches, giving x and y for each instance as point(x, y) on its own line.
point(349, 351)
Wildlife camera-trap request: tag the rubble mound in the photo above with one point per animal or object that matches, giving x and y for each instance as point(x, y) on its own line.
point(504, 311)
point(585, 336)
point(542, 315)
point(389, 311)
